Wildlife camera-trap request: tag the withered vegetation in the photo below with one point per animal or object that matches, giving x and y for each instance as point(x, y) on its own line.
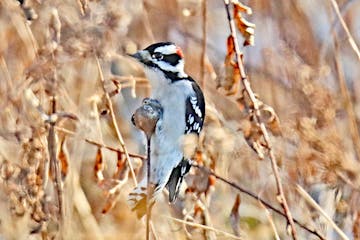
point(280, 81)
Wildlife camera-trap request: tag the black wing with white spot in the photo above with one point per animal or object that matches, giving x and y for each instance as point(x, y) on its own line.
point(195, 111)
point(176, 178)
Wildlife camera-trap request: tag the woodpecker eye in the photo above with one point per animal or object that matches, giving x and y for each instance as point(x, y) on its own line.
point(157, 56)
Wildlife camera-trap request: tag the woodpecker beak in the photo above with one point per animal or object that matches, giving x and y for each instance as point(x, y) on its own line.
point(141, 56)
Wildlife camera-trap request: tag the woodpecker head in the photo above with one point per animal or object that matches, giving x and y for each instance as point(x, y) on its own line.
point(165, 57)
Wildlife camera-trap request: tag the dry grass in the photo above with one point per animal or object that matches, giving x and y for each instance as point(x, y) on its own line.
point(302, 65)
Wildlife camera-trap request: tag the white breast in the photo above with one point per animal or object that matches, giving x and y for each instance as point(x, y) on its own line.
point(165, 144)
point(172, 98)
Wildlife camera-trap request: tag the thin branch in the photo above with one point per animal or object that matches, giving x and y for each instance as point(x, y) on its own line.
point(121, 79)
point(119, 136)
point(206, 220)
point(204, 40)
point(153, 231)
point(271, 221)
point(93, 142)
point(83, 208)
point(134, 155)
point(197, 225)
point(280, 192)
point(3, 65)
point(55, 166)
point(312, 202)
point(347, 31)
point(123, 82)
point(146, 22)
point(97, 119)
point(256, 197)
point(346, 180)
point(353, 127)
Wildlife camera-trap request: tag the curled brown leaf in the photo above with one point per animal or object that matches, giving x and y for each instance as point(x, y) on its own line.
point(63, 158)
point(234, 216)
point(245, 27)
point(232, 71)
point(99, 166)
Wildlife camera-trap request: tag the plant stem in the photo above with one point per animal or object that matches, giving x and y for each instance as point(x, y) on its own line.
point(149, 192)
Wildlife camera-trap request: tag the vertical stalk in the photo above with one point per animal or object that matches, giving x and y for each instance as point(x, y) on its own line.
point(149, 192)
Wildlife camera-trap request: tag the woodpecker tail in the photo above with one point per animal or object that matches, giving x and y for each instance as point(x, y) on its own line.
point(176, 178)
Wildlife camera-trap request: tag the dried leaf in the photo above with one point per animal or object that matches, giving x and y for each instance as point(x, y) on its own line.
point(251, 128)
point(198, 182)
point(121, 167)
point(232, 71)
point(235, 217)
point(242, 7)
point(198, 209)
point(241, 103)
point(230, 48)
point(212, 180)
point(34, 102)
point(199, 157)
point(235, 80)
point(270, 118)
point(55, 25)
point(63, 158)
point(356, 226)
point(258, 148)
point(110, 203)
point(111, 188)
point(245, 27)
point(99, 166)
point(253, 135)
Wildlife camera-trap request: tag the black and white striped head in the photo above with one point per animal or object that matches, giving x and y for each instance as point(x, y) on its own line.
point(163, 56)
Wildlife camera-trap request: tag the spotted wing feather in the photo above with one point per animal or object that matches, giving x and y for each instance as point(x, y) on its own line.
point(195, 111)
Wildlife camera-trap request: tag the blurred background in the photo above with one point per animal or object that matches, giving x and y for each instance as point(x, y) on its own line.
point(301, 65)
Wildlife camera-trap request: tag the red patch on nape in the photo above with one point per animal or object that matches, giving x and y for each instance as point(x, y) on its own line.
point(179, 52)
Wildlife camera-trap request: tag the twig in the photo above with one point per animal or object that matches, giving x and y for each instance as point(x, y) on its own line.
point(312, 202)
point(353, 128)
point(83, 5)
point(346, 180)
point(121, 79)
point(133, 155)
point(347, 31)
point(217, 231)
point(271, 221)
point(7, 75)
point(256, 197)
point(146, 22)
point(55, 164)
point(202, 203)
point(97, 119)
point(128, 82)
point(119, 136)
point(153, 231)
point(204, 39)
point(82, 206)
point(280, 192)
